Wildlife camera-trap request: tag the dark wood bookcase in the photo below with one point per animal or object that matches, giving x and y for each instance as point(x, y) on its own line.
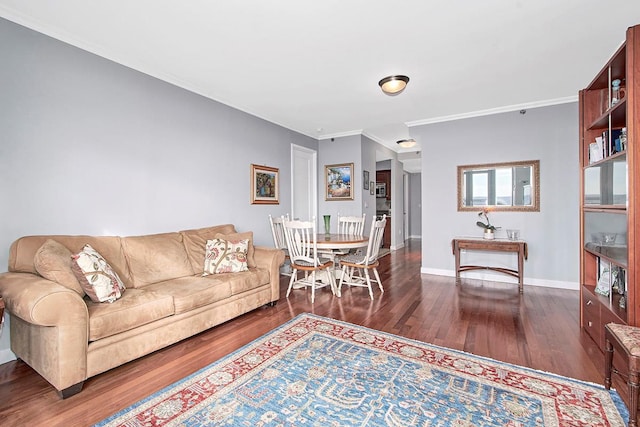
point(610, 193)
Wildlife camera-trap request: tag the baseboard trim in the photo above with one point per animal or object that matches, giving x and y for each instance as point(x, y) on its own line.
point(396, 247)
point(528, 281)
point(6, 356)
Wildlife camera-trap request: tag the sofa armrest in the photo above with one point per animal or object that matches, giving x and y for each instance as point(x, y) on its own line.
point(271, 259)
point(42, 302)
point(49, 328)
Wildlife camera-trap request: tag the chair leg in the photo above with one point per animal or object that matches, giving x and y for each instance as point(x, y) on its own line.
point(633, 399)
point(344, 271)
point(294, 275)
point(313, 286)
point(375, 272)
point(368, 279)
point(332, 279)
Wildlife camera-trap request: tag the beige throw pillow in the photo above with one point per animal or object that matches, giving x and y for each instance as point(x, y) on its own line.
point(224, 256)
point(96, 276)
point(234, 237)
point(53, 262)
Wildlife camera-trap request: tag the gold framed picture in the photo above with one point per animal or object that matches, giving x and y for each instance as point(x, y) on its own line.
point(265, 185)
point(339, 181)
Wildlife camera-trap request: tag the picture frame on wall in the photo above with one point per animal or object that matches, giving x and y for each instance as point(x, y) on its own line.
point(265, 185)
point(365, 179)
point(372, 188)
point(338, 182)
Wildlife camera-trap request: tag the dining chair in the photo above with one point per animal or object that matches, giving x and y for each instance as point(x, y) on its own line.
point(301, 238)
point(279, 240)
point(356, 267)
point(278, 232)
point(351, 225)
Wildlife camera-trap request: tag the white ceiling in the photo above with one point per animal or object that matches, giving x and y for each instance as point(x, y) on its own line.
point(313, 66)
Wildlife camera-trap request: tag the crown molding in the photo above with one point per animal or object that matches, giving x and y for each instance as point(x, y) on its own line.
point(498, 110)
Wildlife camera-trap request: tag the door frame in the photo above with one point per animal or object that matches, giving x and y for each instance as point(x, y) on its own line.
point(312, 172)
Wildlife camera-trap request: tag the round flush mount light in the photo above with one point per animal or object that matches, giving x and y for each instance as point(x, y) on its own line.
point(393, 85)
point(406, 143)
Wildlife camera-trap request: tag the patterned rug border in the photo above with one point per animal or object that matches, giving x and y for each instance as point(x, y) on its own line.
point(615, 398)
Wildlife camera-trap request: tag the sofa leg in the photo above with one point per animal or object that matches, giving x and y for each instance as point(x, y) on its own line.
point(272, 303)
point(70, 391)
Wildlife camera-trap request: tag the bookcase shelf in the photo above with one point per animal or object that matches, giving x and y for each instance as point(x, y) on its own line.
point(610, 193)
point(617, 114)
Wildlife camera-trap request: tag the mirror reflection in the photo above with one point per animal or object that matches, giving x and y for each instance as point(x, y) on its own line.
point(513, 186)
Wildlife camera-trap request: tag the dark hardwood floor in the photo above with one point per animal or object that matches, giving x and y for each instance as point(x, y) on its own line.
point(539, 329)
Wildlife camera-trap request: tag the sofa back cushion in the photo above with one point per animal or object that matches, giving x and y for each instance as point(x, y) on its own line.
point(23, 251)
point(155, 258)
point(53, 261)
point(196, 240)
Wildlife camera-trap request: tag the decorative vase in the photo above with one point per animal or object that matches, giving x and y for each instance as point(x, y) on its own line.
point(327, 224)
point(488, 234)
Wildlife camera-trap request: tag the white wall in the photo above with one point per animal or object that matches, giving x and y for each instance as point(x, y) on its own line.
point(369, 147)
point(548, 134)
point(347, 149)
point(415, 205)
point(92, 147)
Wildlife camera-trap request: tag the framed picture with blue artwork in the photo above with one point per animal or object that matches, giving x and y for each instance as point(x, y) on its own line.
point(264, 185)
point(339, 181)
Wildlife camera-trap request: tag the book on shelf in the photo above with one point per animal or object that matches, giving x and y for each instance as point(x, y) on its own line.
point(614, 141)
point(595, 153)
point(596, 150)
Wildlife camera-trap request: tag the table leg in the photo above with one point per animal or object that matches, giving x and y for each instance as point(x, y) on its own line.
point(520, 270)
point(456, 253)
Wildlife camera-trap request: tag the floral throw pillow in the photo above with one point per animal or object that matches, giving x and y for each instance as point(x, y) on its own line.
point(225, 256)
point(96, 276)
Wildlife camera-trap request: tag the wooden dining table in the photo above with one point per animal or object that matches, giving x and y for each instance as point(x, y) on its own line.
point(340, 241)
point(328, 243)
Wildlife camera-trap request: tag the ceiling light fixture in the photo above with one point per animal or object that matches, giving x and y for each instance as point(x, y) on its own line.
point(393, 85)
point(406, 143)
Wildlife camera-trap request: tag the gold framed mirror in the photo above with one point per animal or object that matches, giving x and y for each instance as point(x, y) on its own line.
point(511, 186)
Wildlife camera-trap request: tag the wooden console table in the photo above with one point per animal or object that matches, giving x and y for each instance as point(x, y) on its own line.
point(499, 245)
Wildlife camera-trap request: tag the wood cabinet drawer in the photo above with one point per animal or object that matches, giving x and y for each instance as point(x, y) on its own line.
point(591, 318)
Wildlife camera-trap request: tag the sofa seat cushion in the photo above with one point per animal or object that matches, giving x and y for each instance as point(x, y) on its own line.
point(135, 308)
point(156, 257)
point(247, 280)
point(191, 292)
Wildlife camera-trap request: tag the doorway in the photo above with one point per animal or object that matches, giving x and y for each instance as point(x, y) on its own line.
point(304, 182)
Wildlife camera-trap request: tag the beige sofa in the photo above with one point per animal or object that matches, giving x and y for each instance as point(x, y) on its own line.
point(68, 338)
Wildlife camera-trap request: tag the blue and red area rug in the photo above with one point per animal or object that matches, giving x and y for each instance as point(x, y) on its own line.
point(316, 371)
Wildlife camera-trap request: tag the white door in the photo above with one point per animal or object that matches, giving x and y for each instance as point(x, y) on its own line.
point(304, 182)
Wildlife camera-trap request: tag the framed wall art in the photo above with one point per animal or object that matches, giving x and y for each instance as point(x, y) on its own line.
point(365, 179)
point(338, 181)
point(265, 185)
